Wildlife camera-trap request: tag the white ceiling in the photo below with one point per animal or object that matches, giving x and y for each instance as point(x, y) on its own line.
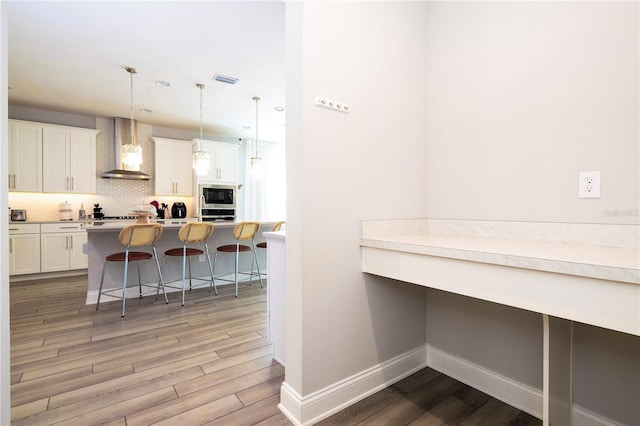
point(71, 57)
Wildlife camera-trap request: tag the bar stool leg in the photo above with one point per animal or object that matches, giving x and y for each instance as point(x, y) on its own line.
point(139, 280)
point(237, 258)
point(124, 281)
point(255, 257)
point(213, 284)
point(184, 266)
point(155, 257)
point(101, 282)
point(190, 284)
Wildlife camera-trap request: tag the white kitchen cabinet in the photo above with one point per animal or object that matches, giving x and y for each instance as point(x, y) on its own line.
point(224, 162)
point(25, 156)
point(70, 159)
point(61, 247)
point(174, 167)
point(24, 248)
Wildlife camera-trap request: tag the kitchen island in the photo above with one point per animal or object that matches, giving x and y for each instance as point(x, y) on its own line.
point(102, 240)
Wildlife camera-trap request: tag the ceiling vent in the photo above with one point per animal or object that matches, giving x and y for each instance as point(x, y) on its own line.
point(225, 79)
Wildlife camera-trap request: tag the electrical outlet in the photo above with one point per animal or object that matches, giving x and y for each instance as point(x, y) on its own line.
point(201, 258)
point(589, 185)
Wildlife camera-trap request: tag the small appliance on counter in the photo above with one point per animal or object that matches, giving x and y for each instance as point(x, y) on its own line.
point(178, 210)
point(97, 212)
point(65, 211)
point(18, 215)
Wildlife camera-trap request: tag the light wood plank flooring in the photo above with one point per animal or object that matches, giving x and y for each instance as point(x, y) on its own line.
point(207, 363)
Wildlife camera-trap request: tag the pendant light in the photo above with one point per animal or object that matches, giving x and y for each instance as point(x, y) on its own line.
point(201, 161)
point(256, 165)
point(131, 153)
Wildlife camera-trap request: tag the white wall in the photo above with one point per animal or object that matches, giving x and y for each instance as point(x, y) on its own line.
point(521, 96)
point(524, 95)
point(345, 168)
point(459, 110)
point(5, 390)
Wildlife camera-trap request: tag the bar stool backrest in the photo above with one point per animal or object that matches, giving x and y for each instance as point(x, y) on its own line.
point(277, 226)
point(246, 230)
point(140, 234)
point(195, 232)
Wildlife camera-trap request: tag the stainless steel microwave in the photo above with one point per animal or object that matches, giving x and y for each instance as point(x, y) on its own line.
point(217, 196)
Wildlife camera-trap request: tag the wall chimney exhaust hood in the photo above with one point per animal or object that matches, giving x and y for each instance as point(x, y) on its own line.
point(122, 136)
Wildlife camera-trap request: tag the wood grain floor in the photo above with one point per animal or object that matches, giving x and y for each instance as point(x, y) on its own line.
point(207, 363)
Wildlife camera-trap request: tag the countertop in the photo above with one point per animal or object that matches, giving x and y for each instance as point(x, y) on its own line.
point(588, 273)
point(587, 260)
point(117, 225)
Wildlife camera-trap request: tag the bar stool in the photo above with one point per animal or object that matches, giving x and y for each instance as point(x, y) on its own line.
point(137, 235)
point(276, 228)
point(263, 245)
point(243, 231)
point(190, 233)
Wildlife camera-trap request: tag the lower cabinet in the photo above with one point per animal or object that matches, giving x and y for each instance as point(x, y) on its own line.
point(61, 247)
point(24, 248)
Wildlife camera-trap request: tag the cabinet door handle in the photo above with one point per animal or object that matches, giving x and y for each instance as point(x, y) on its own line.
point(10, 181)
point(71, 241)
point(72, 186)
point(10, 245)
point(15, 184)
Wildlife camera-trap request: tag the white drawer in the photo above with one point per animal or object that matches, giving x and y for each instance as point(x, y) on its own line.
point(24, 228)
point(48, 228)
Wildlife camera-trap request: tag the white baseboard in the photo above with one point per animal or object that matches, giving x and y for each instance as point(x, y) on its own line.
point(307, 410)
point(522, 397)
point(518, 395)
point(321, 404)
point(584, 417)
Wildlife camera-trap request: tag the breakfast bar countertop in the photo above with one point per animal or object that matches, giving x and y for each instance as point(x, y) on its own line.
point(102, 226)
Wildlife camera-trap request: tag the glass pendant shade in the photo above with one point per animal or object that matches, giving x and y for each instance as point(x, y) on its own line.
point(201, 163)
point(131, 157)
point(256, 168)
point(131, 153)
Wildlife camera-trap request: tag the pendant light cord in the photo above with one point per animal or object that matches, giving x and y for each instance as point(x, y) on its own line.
point(131, 72)
point(201, 86)
point(257, 99)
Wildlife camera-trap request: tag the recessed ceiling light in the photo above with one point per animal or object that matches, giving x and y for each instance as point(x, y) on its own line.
point(279, 108)
point(225, 79)
point(148, 111)
point(163, 83)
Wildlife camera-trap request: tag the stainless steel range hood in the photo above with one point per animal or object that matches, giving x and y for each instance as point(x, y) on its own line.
point(123, 136)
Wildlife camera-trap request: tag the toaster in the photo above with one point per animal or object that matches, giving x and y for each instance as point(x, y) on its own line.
point(18, 215)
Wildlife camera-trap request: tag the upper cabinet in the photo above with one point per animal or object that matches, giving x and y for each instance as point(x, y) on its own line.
point(174, 167)
point(224, 162)
point(51, 158)
point(25, 156)
point(70, 160)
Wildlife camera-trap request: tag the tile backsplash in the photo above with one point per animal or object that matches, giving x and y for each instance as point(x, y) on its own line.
point(115, 196)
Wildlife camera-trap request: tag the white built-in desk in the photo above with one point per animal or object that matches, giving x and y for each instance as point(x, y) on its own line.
point(554, 269)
